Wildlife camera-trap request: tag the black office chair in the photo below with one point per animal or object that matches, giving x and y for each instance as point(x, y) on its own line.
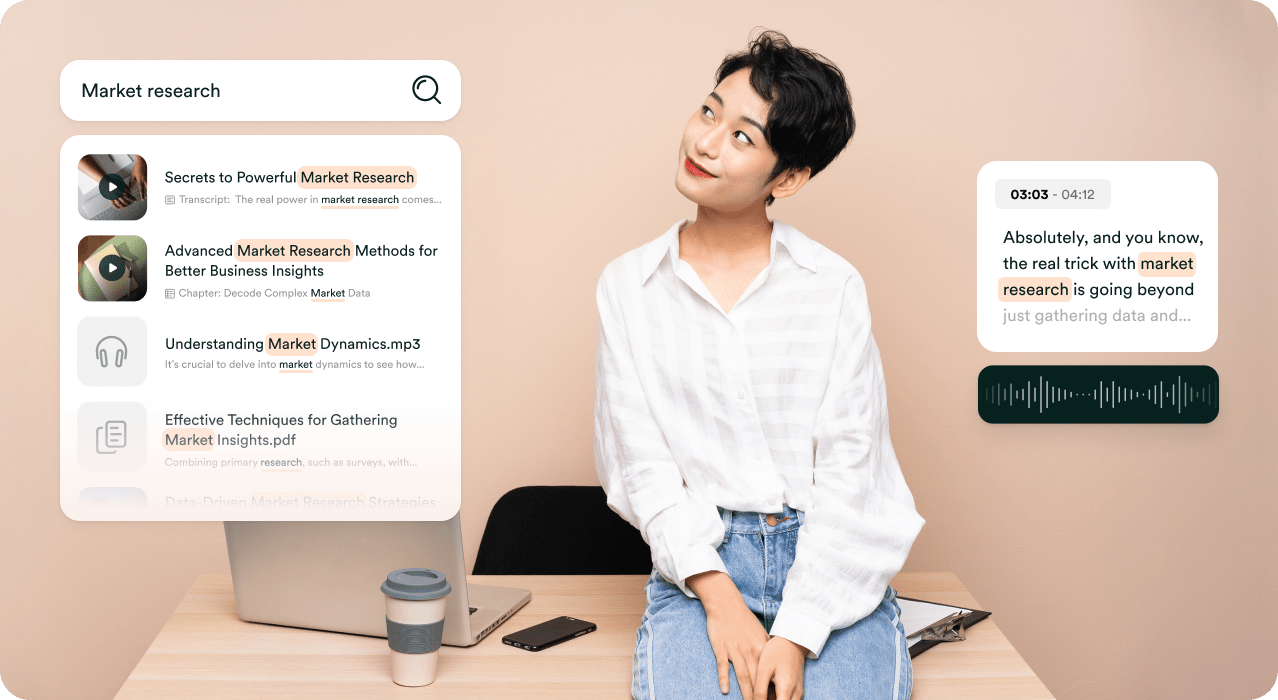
point(559, 530)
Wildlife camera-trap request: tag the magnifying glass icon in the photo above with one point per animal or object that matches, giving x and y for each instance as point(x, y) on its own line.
point(426, 89)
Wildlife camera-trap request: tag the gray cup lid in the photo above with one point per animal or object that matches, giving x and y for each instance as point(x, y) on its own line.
point(416, 584)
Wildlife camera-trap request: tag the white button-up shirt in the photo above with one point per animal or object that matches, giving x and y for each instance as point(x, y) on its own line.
point(779, 401)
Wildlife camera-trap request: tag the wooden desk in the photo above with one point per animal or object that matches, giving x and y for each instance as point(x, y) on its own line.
point(206, 651)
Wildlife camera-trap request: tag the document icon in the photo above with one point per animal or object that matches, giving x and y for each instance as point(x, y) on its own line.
point(112, 436)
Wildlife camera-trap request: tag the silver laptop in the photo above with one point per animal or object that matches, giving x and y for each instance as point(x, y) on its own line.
point(328, 575)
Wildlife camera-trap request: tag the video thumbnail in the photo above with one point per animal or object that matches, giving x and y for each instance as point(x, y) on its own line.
point(111, 268)
point(112, 187)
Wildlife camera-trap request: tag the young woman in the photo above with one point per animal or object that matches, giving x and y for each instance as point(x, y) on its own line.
point(740, 418)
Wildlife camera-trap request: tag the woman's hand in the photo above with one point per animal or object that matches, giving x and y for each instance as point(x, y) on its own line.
point(90, 167)
point(781, 664)
point(125, 199)
point(736, 635)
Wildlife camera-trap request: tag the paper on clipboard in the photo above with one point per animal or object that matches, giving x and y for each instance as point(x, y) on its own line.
point(114, 290)
point(918, 615)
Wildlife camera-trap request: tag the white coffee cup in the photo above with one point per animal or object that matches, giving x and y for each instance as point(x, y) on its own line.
point(414, 623)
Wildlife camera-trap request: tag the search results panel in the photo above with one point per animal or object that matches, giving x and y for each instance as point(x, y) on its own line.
point(260, 327)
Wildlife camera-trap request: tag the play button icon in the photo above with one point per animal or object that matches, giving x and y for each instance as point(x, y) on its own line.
point(112, 187)
point(111, 267)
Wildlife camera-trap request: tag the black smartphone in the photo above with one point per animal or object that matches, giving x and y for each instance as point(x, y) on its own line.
point(549, 633)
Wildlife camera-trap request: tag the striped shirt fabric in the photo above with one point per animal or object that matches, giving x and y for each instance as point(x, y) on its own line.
point(780, 401)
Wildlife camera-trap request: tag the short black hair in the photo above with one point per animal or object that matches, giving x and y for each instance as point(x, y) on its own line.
point(810, 117)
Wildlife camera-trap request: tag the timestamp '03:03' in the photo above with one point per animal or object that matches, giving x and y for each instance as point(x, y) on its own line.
point(1043, 194)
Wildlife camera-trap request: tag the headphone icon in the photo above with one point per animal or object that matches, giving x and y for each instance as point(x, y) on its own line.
point(121, 352)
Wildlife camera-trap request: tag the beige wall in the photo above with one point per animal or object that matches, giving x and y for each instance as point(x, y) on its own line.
point(1121, 561)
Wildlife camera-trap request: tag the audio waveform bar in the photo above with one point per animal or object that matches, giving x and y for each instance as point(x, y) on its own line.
point(1098, 394)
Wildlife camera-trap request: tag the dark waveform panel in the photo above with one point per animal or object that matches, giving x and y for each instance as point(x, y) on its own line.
point(1098, 394)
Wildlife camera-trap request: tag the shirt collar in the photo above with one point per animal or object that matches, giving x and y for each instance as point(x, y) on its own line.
point(799, 246)
point(655, 251)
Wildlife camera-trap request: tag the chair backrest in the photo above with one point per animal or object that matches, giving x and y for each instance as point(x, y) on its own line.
point(559, 530)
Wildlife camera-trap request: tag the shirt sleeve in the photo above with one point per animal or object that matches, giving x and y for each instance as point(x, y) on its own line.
point(859, 528)
point(635, 464)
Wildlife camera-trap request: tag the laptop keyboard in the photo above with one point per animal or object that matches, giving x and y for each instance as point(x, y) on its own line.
point(112, 214)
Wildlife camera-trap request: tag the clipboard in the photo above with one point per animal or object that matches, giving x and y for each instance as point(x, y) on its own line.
point(922, 614)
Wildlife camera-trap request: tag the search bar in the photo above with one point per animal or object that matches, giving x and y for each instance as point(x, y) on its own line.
point(236, 91)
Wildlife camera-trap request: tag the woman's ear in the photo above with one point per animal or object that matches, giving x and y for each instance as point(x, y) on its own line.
point(791, 181)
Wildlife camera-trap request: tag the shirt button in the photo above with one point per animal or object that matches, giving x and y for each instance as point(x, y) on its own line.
point(741, 395)
point(758, 455)
point(732, 332)
point(772, 501)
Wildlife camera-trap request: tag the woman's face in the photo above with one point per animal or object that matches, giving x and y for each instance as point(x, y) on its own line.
point(724, 161)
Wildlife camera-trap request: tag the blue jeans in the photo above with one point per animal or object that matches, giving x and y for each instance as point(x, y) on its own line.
point(673, 659)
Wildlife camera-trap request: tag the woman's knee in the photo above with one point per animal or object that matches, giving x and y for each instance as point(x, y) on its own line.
point(868, 660)
point(673, 658)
